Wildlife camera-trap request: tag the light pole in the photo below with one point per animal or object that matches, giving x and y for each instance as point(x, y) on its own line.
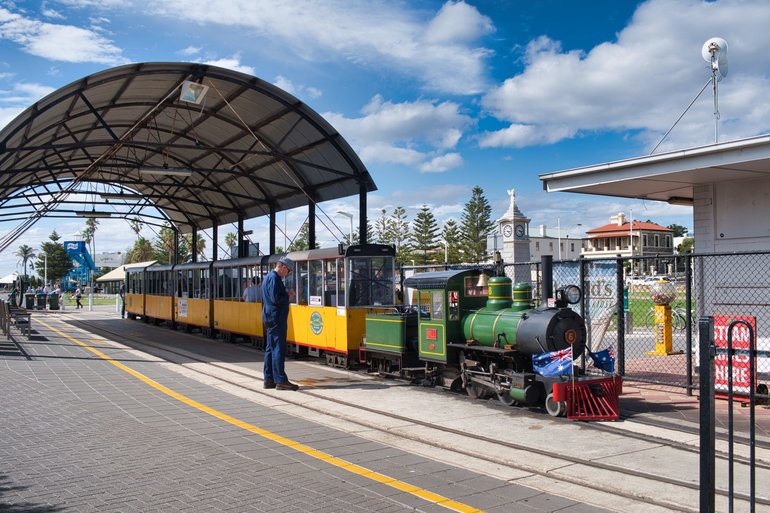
point(568, 230)
point(45, 269)
point(350, 218)
point(446, 251)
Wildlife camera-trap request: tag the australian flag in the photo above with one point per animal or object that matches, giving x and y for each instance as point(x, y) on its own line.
point(558, 363)
point(604, 359)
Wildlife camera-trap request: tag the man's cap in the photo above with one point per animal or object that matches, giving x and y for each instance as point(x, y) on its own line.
point(287, 262)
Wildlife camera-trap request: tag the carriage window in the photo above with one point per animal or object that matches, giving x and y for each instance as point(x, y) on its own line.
point(289, 282)
point(454, 310)
point(437, 305)
point(330, 282)
point(340, 282)
point(315, 283)
point(182, 285)
point(370, 281)
point(472, 287)
point(201, 283)
point(301, 277)
point(228, 284)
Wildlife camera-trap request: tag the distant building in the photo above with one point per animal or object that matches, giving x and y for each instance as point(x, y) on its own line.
point(629, 239)
point(561, 247)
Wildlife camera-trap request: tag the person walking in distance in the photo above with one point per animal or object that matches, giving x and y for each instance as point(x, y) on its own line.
point(275, 315)
point(78, 295)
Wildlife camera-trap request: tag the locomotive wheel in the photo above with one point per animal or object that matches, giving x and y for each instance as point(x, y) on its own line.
point(476, 391)
point(555, 408)
point(504, 397)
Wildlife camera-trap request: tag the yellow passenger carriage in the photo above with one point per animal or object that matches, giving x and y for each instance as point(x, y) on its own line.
point(192, 299)
point(334, 290)
point(232, 315)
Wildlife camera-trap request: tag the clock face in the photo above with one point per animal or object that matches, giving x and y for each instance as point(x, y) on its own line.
point(520, 230)
point(507, 230)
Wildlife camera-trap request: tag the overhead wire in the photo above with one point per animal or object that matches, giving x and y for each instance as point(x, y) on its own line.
point(280, 164)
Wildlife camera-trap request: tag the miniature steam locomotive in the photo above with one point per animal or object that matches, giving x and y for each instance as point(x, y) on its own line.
point(473, 332)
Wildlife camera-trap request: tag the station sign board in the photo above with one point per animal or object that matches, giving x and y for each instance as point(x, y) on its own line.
point(742, 342)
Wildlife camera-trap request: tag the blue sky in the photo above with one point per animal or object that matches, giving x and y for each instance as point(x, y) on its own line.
point(436, 97)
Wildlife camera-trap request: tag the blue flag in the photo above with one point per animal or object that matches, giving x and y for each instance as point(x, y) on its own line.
point(604, 359)
point(558, 363)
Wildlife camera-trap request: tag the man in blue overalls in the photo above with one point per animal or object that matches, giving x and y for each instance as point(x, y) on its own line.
point(275, 315)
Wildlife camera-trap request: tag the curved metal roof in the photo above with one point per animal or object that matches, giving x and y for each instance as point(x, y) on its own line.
point(249, 146)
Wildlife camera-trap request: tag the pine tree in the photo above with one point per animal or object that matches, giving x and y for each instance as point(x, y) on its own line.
point(398, 235)
point(301, 241)
point(382, 228)
point(163, 247)
point(451, 235)
point(424, 236)
point(476, 223)
point(59, 262)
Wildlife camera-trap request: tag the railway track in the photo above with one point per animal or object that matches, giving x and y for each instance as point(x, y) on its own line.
point(576, 470)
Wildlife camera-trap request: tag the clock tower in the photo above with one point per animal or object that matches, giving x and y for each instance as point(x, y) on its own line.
point(515, 229)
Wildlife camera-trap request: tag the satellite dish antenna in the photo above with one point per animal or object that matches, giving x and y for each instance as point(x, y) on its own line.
point(714, 51)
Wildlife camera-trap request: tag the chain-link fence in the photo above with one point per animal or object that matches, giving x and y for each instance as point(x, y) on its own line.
point(726, 286)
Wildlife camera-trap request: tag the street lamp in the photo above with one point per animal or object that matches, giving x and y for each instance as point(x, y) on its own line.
point(350, 218)
point(446, 251)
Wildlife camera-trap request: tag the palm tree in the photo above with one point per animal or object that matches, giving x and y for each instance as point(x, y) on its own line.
point(136, 225)
point(230, 240)
point(25, 253)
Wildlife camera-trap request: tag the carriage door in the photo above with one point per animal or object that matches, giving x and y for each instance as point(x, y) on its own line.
point(318, 327)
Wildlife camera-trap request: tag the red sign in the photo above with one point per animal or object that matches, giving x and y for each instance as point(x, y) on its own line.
point(741, 340)
point(430, 334)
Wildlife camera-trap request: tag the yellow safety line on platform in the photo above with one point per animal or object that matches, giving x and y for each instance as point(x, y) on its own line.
point(320, 455)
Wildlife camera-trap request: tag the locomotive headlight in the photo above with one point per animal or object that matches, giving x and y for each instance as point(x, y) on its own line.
point(573, 294)
point(570, 294)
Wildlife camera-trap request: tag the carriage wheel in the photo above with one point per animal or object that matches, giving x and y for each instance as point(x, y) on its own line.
point(555, 408)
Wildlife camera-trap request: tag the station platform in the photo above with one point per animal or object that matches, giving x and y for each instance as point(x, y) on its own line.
point(108, 414)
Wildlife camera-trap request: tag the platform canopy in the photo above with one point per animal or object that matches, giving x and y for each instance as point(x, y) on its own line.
point(198, 145)
point(669, 177)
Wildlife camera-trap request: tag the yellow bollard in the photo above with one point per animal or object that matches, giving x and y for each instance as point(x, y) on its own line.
point(663, 335)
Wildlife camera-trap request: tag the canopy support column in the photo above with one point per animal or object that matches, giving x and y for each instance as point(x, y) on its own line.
point(194, 244)
point(215, 238)
point(272, 229)
point(361, 214)
point(311, 224)
point(241, 238)
point(174, 259)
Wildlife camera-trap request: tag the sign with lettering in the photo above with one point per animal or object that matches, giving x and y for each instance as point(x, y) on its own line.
point(740, 362)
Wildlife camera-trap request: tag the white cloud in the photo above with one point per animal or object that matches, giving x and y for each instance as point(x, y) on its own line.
point(442, 163)
point(376, 34)
point(56, 42)
point(13, 101)
point(8, 114)
point(408, 133)
point(457, 22)
point(233, 63)
point(190, 50)
point(296, 90)
point(642, 81)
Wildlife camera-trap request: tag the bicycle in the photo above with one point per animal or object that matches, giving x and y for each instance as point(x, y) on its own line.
point(678, 318)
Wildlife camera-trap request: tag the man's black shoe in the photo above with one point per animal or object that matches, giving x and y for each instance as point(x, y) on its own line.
point(286, 386)
point(269, 384)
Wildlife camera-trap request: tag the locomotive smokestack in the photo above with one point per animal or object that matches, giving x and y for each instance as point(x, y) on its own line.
point(546, 267)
